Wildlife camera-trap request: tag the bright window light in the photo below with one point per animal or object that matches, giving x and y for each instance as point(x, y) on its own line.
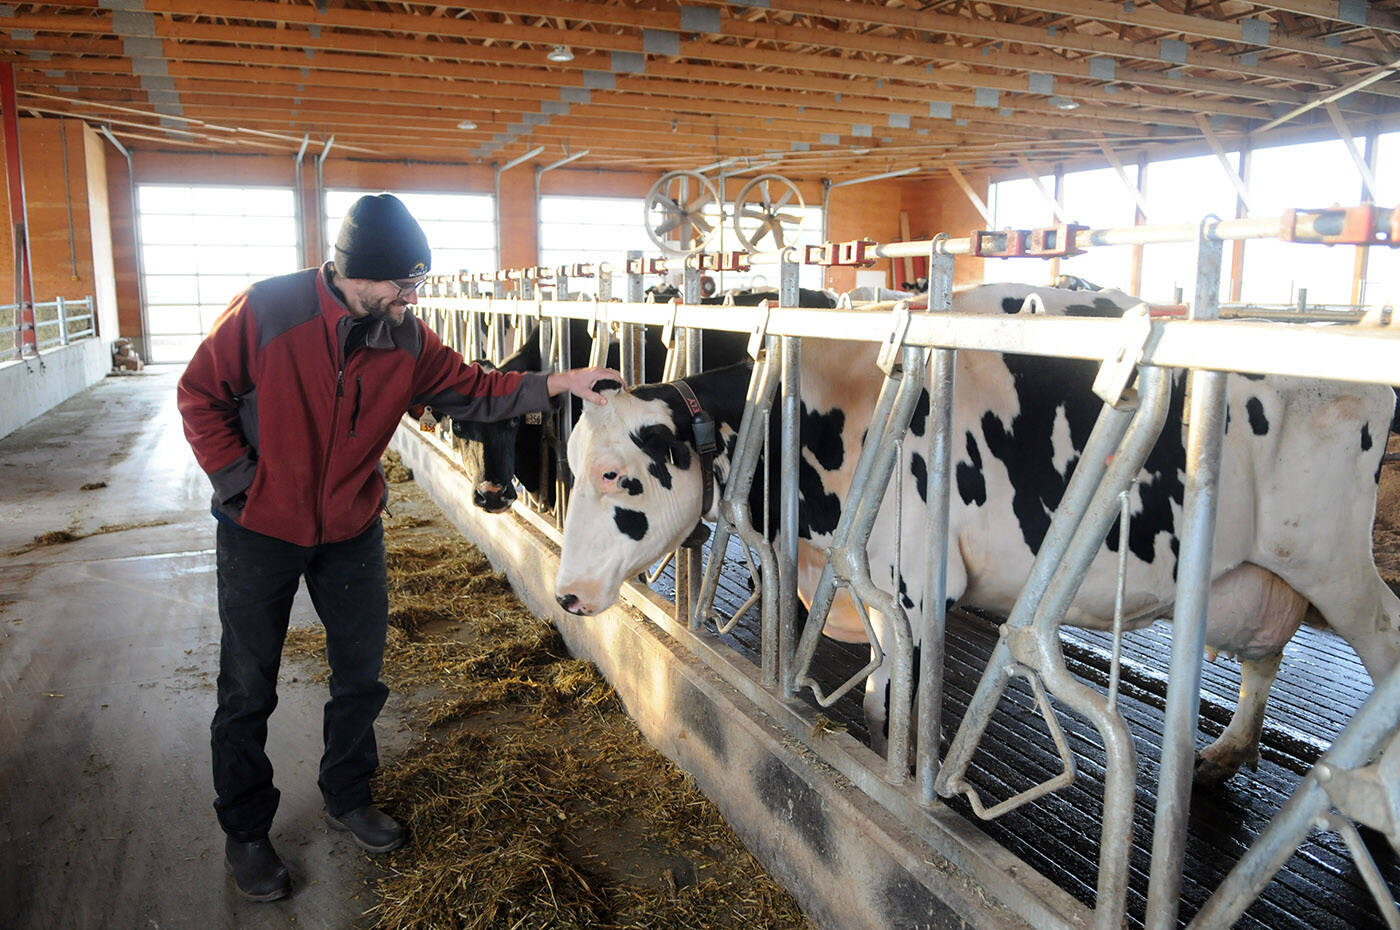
point(1184, 190)
point(591, 230)
point(461, 228)
point(1382, 282)
point(1316, 174)
point(201, 246)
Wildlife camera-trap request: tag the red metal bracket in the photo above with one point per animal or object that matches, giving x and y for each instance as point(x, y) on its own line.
point(1360, 225)
point(733, 261)
point(848, 254)
point(998, 243)
point(657, 266)
point(1054, 241)
point(580, 270)
point(636, 266)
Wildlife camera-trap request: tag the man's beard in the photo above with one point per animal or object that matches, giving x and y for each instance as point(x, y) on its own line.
point(385, 312)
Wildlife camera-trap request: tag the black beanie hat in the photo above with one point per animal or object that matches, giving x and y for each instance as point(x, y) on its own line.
point(380, 241)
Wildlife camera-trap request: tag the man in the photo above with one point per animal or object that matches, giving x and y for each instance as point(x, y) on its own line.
point(288, 405)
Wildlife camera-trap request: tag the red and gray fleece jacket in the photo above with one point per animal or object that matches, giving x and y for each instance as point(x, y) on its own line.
point(290, 429)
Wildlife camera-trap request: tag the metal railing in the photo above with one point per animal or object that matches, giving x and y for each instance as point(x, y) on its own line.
point(921, 349)
point(56, 323)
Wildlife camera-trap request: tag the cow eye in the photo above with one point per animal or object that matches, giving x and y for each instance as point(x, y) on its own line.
point(609, 475)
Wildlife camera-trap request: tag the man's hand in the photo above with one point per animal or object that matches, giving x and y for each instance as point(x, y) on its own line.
point(581, 380)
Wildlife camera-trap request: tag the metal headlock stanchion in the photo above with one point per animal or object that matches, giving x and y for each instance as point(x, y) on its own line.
point(1359, 777)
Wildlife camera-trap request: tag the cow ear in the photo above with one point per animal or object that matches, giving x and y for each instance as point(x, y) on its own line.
point(607, 386)
point(660, 444)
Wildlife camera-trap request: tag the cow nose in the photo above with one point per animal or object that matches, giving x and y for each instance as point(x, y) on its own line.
point(493, 499)
point(571, 603)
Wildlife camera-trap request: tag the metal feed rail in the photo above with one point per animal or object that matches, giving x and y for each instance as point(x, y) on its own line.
point(65, 324)
point(1348, 779)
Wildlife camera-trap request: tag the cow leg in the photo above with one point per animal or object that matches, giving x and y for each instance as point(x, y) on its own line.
point(1367, 616)
point(1239, 744)
point(876, 705)
point(1252, 613)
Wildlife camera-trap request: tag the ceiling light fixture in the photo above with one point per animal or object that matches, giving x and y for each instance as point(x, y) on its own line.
point(560, 53)
point(466, 124)
point(1063, 103)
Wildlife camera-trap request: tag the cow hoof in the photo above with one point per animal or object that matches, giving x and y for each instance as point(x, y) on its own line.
point(1212, 774)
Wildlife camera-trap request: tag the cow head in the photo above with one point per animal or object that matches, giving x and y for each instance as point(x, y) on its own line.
point(489, 458)
point(637, 495)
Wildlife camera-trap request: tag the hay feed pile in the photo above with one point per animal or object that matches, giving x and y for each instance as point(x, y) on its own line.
point(532, 800)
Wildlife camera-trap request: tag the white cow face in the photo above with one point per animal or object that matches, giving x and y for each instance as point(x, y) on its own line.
point(637, 495)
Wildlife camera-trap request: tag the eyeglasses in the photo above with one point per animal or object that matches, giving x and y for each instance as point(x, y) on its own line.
point(408, 287)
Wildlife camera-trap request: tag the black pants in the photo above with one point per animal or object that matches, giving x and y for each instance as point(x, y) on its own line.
point(258, 577)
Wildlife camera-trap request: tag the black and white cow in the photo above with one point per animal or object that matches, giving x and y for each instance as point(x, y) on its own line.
point(1296, 500)
point(518, 449)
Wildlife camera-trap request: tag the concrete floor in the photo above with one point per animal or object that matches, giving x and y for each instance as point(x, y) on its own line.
point(108, 656)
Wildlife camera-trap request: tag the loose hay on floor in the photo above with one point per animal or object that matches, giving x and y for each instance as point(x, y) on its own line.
point(532, 799)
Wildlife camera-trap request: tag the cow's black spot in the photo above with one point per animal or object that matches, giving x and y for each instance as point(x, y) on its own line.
point(820, 510)
point(1176, 555)
point(698, 716)
point(1251, 376)
point(919, 470)
point(972, 485)
point(919, 419)
point(632, 486)
point(1365, 437)
point(1257, 421)
point(821, 436)
point(1161, 489)
point(1101, 306)
point(607, 384)
point(789, 799)
point(633, 523)
point(1011, 304)
point(1043, 387)
point(909, 905)
point(661, 473)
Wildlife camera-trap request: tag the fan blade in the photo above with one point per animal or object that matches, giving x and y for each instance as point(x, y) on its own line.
point(669, 225)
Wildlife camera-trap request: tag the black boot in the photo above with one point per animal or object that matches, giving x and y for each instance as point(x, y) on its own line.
point(372, 829)
point(257, 871)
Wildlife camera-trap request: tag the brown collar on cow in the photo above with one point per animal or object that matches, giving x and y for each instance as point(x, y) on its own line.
point(702, 427)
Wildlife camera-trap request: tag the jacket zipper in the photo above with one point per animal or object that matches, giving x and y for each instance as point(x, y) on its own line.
point(330, 447)
point(355, 410)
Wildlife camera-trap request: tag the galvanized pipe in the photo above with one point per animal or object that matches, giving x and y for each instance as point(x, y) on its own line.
point(1120, 776)
point(1108, 430)
point(939, 427)
point(790, 458)
point(736, 516)
point(1205, 446)
point(1374, 723)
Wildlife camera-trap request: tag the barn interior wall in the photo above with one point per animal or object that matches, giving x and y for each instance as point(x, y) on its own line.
point(939, 205)
point(56, 200)
point(870, 210)
point(100, 233)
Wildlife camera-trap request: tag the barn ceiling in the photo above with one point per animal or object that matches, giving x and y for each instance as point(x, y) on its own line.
point(821, 87)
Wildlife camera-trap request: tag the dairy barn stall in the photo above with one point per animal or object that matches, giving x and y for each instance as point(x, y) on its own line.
point(1030, 380)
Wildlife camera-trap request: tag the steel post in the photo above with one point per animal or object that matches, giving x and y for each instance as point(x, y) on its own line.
point(1203, 452)
point(688, 561)
point(939, 427)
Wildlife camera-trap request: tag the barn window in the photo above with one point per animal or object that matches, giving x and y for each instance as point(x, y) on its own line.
point(1381, 283)
point(1315, 174)
point(1184, 190)
point(461, 228)
point(1092, 198)
point(766, 276)
point(200, 246)
point(592, 230)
